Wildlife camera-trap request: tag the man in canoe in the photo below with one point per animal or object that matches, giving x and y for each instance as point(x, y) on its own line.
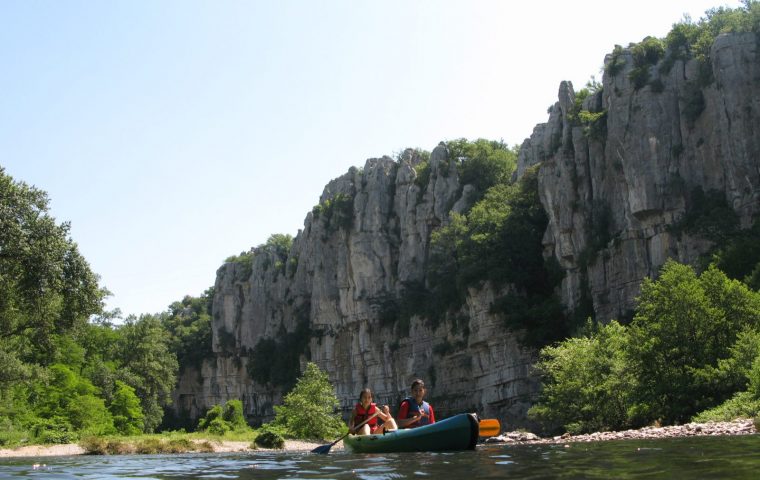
point(414, 411)
point(365, 409)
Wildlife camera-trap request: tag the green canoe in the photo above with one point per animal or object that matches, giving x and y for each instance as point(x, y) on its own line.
point(459, 432)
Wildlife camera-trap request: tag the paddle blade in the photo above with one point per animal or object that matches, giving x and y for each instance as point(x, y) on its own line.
point(489, 427)
point(324, 449)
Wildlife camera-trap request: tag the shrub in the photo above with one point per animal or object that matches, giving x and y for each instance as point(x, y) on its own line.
point(218, 426)
point(233, 415)
point(616, 62)
point(269, 439)
point(222, 419)
point(741, 405)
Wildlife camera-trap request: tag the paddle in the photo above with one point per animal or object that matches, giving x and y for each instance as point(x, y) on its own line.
point(489, 427)
point(326, 448)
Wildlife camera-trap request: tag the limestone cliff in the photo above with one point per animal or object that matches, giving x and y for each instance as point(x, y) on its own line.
point(614, 180)
point(366, 240)
point(615, 190)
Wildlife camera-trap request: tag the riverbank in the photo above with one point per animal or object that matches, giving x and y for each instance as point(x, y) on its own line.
point(211, 446)
point(736, 427)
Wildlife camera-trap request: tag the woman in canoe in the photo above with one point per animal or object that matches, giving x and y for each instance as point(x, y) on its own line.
point(415, 411)
point(365, 409)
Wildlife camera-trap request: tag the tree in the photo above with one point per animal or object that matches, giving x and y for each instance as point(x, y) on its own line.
point(128, 417)
point(684, 324)
point(188, 323)
point(148, 365)
point(587, 383)
point(309, 410)
point(46, 286)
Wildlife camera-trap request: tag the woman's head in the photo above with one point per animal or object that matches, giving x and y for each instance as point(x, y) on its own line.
point(365, 396)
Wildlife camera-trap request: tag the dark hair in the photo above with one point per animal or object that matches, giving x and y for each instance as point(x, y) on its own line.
point(365, 390)
point(418, 382)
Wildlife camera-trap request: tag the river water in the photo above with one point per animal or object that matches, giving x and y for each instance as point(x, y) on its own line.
point(736, 457)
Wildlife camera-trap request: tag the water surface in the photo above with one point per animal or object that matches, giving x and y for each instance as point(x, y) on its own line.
point(704, 457)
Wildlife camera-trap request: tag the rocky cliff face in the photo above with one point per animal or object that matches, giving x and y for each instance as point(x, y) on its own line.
point(615, 190)
point(362, 245)
point(614, 185)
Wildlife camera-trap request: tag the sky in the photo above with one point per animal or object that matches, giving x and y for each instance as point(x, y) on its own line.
point(174, 134)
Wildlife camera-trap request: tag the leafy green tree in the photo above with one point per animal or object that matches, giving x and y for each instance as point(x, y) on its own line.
point(127, 413)
point(587, 382)
point(742, 369)
point(188, 323)
point(684, 324)
point(309, 410)
point(148, 365)
point(483, 163)
point(46, 286)
point(72, 400)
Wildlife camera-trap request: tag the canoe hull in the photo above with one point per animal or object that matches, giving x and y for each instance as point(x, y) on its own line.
point(459, 432)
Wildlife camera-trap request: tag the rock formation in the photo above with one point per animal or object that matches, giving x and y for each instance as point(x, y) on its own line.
point(614, 184)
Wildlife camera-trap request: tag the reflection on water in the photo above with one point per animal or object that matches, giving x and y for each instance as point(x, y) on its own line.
point(706, 457)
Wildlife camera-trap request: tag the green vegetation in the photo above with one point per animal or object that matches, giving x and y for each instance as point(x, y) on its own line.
point(337, 212)
point(499, 241)
point(693, 346)
point(310, 409)
point(188, 323)
point(483, 163)
point(594, 122)
point(646, 55)
point(686, 40)
point(222, 419)
point(67, 371)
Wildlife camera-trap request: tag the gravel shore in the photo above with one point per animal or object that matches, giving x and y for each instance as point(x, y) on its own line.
point(291, 446)
point(736, 427)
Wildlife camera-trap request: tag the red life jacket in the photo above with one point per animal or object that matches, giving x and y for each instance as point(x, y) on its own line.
point(361, 414)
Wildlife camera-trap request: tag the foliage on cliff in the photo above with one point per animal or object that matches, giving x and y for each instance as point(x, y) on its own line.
point(499, 241)
point(693, 344)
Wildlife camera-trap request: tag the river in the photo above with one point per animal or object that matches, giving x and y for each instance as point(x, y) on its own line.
point(734, 457)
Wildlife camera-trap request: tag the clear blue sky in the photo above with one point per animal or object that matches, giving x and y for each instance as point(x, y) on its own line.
point(173, 134)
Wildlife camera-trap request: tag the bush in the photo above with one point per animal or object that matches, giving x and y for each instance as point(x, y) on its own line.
point(233, 415)
point(218, 426)
point(741, 405)
point(269, 439)
point(212, 414)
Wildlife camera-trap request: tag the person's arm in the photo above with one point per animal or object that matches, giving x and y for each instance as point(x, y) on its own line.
point(432, 415)
point(403, 411)
point(351, 420)
point(384, 413)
